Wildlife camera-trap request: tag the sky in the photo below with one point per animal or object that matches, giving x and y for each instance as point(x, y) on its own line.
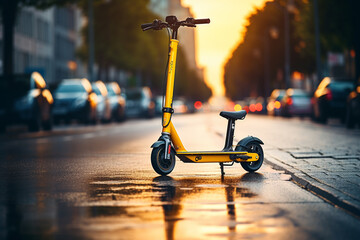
point(216, 41)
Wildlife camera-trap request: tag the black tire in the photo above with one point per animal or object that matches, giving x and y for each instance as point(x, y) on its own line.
point(252, 147)
point(159, 163)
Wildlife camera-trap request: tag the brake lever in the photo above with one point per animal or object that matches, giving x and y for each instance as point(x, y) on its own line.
point(148, 28)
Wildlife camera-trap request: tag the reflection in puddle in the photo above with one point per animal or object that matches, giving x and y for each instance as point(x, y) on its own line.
point(185, 207)
point(154, 208)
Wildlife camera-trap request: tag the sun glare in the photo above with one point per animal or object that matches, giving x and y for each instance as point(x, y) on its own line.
point(216, 40)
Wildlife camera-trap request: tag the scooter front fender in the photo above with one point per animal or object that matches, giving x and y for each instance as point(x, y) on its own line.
point(158, 143)
point(243, 142)
point(162, 141)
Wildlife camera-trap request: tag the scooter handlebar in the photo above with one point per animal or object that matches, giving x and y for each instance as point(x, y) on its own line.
point(156, 25)
point(202, 21)
point(172, 21)
point(197, 21)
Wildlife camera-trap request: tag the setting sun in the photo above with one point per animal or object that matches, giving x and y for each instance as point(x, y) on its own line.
point(217, 40)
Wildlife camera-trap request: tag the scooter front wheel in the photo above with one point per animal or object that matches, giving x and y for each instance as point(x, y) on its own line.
point(252, 147)
point(161, 165)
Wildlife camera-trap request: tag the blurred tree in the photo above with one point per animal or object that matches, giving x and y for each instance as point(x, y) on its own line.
point(245, 72)
point(120, 42)
point(339, 28)
point(257, 64)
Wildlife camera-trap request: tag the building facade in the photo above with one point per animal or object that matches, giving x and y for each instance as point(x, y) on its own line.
point(46, 41)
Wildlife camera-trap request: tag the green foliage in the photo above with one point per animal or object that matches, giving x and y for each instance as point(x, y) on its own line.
point(264, 38)
point(120, 42)
point(339, 30)
point(338, 24)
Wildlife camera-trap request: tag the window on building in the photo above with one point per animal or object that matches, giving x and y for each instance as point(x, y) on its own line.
point(43, 30)
point(24, 24)
point(65, 17)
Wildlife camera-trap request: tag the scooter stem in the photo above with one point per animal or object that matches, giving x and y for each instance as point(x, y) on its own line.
point(170, 86)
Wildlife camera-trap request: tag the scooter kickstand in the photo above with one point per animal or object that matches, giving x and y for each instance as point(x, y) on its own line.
point(222, 169)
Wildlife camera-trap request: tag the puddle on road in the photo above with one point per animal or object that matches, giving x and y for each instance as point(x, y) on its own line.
point(176, 208)
point(159, 208)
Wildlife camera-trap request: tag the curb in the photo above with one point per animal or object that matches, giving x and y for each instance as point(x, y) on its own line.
point(332, 196)
point(315, 187)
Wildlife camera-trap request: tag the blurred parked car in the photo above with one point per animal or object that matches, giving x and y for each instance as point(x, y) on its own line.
point(330, 98)
point(117, 101)
point(296, 102)
point(139, 102)
point(158, 101)
point(353, 108)
point(31, 102)
point(190, 106)
point(274, 102)
point(255, 105)
point(179, 106)
point(103, 108)
point(75, 99)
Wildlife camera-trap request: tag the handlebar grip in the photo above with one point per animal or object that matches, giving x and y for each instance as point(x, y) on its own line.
point(202, 21)
point(146, 26)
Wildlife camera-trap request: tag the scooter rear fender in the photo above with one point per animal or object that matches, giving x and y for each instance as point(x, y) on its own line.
point(243, 142)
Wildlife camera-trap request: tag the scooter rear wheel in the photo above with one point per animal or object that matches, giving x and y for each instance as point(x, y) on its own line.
point(161, 165)
point(252, 147)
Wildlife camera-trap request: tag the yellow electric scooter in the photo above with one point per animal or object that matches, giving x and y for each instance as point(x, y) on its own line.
point(248, 152)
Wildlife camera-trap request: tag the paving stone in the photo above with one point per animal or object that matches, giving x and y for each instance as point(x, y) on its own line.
point(332, 174)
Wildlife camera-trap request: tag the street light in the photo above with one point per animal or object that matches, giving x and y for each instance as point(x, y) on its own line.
point(317, 42)
point(273, 33)
point(290, 7)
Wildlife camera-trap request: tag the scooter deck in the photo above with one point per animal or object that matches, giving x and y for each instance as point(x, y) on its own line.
point(217, 156)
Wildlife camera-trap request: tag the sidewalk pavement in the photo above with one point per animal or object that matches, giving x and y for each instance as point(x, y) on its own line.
point(332, 175)
point(324, 160)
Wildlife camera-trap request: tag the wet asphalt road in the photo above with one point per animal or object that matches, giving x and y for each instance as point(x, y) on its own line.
point(98, 183)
